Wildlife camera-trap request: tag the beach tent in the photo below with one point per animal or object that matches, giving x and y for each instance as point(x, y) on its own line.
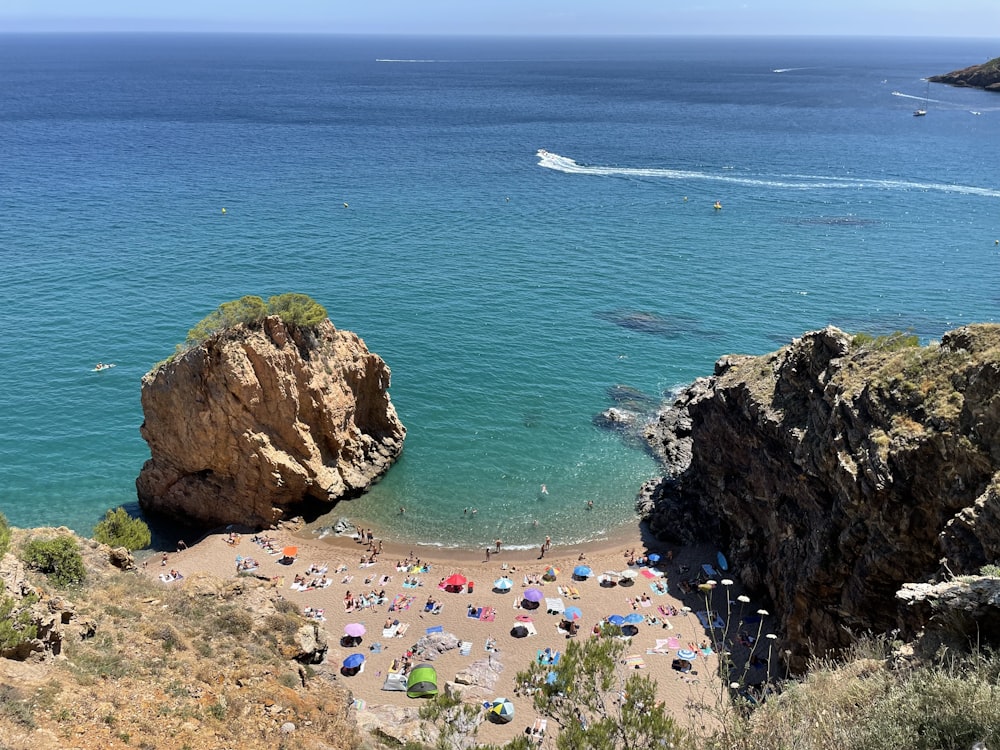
point(395, 681)
point(423, 682)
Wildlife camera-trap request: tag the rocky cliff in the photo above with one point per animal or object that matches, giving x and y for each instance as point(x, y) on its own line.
point(832, 472)
point(261, 420)
point(985, 76)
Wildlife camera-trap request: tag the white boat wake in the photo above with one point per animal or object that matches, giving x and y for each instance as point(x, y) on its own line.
point(564, 164)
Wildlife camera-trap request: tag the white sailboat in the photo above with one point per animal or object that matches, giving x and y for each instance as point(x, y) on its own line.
point(923, 110)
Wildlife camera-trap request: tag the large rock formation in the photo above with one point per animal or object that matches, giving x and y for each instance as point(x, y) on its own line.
point(985, 76)
point(261, 420)
point(833, 472)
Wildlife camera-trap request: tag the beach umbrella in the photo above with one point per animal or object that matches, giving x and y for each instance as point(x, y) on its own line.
point(455, 580)
point(501, 710)
point(616, 620)
point(686, 654)
point(523, 618)
point(519, 631)
point(354, 629)
point(633, 619)
point(353, 661)
point(550, 573)
point(533, 595)
point(653, 558)
point(582, 571)
point(630, 630)
point(628, 573)
point(503, 584)
point(573, 613)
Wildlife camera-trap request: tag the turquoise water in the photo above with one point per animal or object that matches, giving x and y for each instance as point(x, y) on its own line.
point(508, 291)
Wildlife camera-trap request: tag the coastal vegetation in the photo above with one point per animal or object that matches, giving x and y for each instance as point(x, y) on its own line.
point(58, 558)
point(292, 308)
point(119, 529)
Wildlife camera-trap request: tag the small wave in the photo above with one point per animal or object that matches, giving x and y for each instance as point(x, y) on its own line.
point(566, 165)
point(391, 60)
point(788, 70)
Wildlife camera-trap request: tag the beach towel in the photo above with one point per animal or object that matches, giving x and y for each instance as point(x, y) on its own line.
point(645, 603)
point(410, 585)
point(487, 614)
point(574, 592)
point(437, 609)
point(465, 648)
point(555, 606)
point(673, 643)
point(658, 588)
point(390, 632)
point(396, 602)
point(634, 661)
point(436, 629)
point(401, 631)
point(710, 571)
point(647, 573)
point(474, 612)
point(706, 651)
point(530, 627)
point(717, 622)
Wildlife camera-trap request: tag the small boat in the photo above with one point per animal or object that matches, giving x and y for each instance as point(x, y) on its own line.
point(103, 366)
point(922, 111)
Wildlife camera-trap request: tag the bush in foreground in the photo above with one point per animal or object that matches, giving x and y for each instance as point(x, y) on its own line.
point(58, 558)
point(119, 529)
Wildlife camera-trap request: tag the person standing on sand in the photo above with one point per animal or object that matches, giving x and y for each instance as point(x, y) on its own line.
point(498, 543)
point(487, 554)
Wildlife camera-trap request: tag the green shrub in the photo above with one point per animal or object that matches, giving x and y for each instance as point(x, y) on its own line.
point(58, 558)
point(886, 343)
point(15, 620)
point(296, 309)
point(119, 529)
point(4, 535)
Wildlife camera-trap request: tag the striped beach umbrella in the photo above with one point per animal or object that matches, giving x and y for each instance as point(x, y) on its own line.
point(501, 710)
point(503, 584)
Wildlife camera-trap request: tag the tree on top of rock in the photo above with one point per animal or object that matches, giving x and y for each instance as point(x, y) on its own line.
point(295, 309)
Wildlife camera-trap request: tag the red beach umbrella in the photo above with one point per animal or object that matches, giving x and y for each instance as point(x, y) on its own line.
point(455, 580)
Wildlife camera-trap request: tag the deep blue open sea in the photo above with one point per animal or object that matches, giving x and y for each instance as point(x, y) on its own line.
point(509, 291)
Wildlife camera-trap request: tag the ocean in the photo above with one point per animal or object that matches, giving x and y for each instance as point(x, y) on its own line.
point(523, 228)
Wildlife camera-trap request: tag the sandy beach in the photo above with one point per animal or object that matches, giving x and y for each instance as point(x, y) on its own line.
point(667, 619)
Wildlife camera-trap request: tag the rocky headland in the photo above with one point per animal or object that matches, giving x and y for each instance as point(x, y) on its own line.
point(836, 470)
point(265, 420)
point(985, 76)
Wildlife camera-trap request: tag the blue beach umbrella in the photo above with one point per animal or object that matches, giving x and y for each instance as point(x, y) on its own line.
point(633, 619)
point(616, 620)
point(582, 571)
point(503, 584)
point(573, 613)
point(687, 654)
point(353, 661)
point(654, 558)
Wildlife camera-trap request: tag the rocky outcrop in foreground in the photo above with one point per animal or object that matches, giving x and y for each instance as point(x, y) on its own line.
point(262, 421)
point(985, 76)
point(832, 472)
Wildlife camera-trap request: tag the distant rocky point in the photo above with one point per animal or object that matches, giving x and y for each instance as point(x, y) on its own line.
point(985, 76)
point(834, 471)
point(263, 420)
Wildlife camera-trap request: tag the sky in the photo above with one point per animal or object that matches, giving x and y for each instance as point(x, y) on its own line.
point(944, 18)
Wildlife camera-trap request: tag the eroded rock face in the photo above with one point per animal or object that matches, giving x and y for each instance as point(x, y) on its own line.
point(831, 474)
point(257, 422)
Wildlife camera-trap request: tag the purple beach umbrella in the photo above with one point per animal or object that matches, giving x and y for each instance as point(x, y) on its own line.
point(533, 595)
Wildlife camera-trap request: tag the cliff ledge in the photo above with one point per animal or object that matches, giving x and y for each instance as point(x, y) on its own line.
point(835, 470)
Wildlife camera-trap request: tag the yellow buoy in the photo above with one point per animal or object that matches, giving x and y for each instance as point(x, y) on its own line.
point(717, 206)
point(223, 209)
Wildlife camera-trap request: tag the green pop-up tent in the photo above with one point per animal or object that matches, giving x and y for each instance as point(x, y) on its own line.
point(423, 682)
